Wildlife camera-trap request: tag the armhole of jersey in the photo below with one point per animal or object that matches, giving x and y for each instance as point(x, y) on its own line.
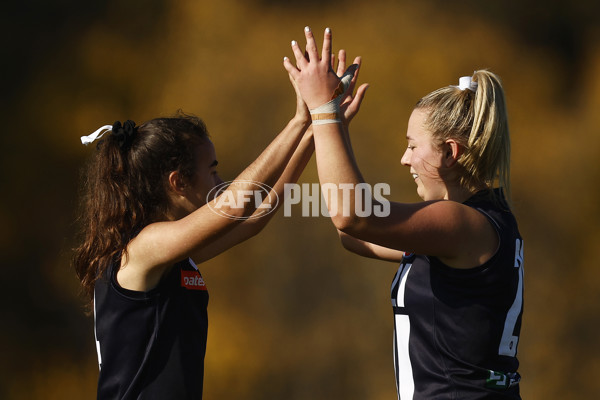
point(465, 271)
point(128, 293)
point(496, 228)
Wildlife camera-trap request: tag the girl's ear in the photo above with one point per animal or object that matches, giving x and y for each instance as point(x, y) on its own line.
point(452, 152)
point(177, 183)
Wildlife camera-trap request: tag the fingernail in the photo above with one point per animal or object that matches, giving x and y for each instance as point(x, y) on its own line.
point(307, 29)
point(285, 58)
point(294, 43)
point(327, 30)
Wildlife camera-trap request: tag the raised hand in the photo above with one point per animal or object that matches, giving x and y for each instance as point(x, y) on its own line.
point(318, 82)
point(313, 73)
point(302, 112)
point(351, 102)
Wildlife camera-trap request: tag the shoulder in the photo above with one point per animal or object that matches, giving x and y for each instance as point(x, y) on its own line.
point(482, 221)
point(493, 205)
point(501, 222)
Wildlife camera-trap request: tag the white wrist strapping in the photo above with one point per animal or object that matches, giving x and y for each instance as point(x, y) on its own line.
point(329, 113)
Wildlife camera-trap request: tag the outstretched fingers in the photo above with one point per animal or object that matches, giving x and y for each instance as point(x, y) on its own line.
point(352, 101)
point(311, 46)
point(357, 62)
point(326, 52)
point(316, 75)
point(341, 67)
point(290, 68)
point(351, 104)
point(301, 60)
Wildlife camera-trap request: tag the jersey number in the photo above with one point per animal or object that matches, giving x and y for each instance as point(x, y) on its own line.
point(508, 343)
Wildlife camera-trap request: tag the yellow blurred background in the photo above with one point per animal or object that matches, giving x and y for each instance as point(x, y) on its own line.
point(292, 314)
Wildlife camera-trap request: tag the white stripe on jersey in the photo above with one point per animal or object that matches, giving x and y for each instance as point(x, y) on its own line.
point(405, 380)
point(400, 297)
point(404, 374)
point(96, 335)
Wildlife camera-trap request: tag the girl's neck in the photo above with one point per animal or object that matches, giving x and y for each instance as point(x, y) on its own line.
point(460, 194)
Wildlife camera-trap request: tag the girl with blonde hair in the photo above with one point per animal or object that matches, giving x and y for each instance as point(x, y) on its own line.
point(457, 295)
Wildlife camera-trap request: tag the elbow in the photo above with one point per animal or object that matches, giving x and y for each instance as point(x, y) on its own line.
point(256, 226)
point(348, 224)
point(344, 214)
point(344, 240)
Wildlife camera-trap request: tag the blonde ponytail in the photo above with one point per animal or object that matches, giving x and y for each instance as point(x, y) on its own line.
point(476, 118)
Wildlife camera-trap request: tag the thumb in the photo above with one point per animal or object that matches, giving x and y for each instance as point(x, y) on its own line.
point(358, 97)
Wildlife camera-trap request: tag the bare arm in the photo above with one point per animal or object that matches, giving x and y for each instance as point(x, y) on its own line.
point(253, 226)
point(370, 250)
point(199, 235)
point(349, 108)
point(458, 234)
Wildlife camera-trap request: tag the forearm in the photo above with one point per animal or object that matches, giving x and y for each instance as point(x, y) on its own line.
point(336, 165)
point(291, 174)
point(297, 162)
point(271, 163)
point(335, 159)
point(370, 250)
point(348, 142)
point(232, 231)
point(324, 92)
point(260, 218)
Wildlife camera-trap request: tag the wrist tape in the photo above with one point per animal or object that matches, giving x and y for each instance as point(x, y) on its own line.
point(329, 113)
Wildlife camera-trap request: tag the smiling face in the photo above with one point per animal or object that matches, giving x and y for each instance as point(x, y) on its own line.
point(424, 158)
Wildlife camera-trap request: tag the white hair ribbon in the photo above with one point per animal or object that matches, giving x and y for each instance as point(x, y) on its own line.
point(465, 82)
point(95, 135)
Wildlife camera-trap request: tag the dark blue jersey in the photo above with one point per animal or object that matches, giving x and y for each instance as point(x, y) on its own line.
point(151, 345)
point(457, 330)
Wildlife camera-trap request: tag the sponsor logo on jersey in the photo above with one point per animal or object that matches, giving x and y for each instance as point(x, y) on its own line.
point(499, 380)
point(192, 280)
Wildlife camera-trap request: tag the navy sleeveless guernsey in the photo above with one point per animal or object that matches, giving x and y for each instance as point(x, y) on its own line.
point(151, 345)
point(457, 330)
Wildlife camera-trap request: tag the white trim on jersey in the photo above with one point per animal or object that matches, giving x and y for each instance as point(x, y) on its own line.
point(96, 335)
point(404, 374)
point(405, 380)
point(193, 264)
point(509, 342)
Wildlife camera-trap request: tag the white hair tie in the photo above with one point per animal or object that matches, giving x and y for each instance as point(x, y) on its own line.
point(465, 82)
point(95, 135)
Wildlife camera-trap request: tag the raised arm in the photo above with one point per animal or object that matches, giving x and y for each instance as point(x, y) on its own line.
point(318, 85)
point(252, 226)
point(446, 229)
point(205, 233)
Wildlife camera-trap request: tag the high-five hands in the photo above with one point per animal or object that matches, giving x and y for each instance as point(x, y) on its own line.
point(328, 95)
point(351, 102)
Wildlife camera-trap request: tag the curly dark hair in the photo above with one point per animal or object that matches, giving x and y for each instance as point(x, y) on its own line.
point(125, 188)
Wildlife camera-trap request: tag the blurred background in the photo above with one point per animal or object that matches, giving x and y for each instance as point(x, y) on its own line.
point(292, 314)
